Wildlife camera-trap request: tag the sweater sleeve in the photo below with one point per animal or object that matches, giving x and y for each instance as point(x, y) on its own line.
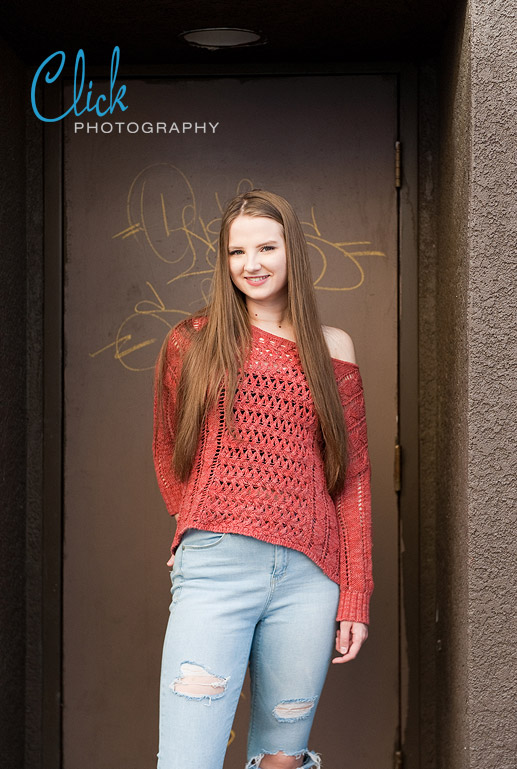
point(353, 507)
point(165, 426)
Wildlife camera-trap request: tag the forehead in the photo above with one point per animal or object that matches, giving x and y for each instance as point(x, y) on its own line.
point(259, 229)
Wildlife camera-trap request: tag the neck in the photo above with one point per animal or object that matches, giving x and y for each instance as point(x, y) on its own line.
point(276, 315)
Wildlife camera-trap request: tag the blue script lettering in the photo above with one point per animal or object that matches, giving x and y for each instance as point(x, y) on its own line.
point(79, 77)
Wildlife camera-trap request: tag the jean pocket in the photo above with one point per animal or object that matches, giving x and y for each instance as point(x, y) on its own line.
point(199, 539)
point(176, 576)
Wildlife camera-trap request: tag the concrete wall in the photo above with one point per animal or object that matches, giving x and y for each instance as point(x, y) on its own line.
point(492, 309)
point(475, 448)
point(21, 418)
point(34, 571)
point(12, 409)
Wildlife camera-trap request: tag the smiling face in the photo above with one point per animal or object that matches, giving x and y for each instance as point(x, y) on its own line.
point(258, 261)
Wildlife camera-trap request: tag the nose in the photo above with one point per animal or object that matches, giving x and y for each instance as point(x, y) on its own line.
point(252, 262)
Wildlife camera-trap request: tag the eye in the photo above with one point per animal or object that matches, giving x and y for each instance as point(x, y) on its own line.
point(268, 248)
point(236, 251)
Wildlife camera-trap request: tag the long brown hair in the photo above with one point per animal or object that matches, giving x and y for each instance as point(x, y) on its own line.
point(218, 350)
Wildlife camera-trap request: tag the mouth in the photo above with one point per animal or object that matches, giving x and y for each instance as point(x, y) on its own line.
point(257, 279)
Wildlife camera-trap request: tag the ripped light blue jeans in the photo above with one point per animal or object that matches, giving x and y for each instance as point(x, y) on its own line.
point(236, 599)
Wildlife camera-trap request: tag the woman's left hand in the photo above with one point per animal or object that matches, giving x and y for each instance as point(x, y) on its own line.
point(350, 636)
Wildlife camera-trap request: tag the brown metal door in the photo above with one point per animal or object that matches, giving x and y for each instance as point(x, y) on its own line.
point(142, 207)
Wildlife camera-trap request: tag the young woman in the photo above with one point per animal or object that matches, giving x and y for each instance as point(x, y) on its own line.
point(261, 453)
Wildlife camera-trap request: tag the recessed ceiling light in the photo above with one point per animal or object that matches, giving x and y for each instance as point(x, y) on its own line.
point(222, 37)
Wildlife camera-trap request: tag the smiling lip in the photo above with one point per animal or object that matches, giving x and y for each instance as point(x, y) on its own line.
point(256, 280)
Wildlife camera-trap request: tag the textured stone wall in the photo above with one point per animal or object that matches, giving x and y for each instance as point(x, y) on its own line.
point(492, 450)
point(12, 409)
point(34, 753)
point(475, 326)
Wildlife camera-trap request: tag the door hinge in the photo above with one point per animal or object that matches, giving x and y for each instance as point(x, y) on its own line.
point(397, 764)
point(396, 468)
point(398, 165)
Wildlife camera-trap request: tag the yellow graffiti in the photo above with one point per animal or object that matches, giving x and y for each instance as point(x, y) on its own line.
point(163, 215)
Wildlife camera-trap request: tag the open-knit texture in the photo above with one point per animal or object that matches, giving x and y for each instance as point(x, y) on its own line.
point(269, 481)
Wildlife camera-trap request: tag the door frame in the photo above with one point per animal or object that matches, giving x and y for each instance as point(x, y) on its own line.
point(51, 631)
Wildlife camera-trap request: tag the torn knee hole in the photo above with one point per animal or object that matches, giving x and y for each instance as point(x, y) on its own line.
point(292, 710)
point(197, 682)
point(282, 760)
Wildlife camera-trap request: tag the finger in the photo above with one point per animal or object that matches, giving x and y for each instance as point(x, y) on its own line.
point(344, 636)
point(353, 650)
point(170, 562)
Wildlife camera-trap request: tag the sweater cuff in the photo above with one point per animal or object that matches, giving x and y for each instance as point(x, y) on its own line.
point(353, 607)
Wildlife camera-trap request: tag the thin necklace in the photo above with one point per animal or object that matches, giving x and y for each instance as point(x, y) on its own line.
point(264, 320)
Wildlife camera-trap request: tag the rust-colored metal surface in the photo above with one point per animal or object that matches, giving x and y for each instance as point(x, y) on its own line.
point(142, 207)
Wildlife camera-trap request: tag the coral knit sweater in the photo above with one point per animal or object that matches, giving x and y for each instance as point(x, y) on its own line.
point(269, 482)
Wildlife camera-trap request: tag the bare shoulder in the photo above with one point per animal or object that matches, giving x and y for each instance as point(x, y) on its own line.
point(340, 344)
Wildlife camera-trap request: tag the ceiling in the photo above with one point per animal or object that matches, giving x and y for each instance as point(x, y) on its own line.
point(304, 31)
